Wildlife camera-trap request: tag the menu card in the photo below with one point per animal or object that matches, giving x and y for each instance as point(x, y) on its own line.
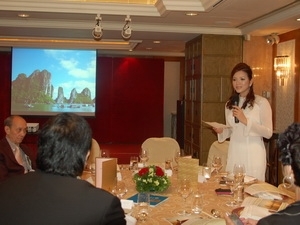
point(106, 173)
point(154, 199)
point(188, 168)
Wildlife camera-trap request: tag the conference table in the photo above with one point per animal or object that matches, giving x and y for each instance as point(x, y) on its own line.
point(166, 211)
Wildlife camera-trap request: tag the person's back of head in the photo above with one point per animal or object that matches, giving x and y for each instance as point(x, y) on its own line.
point(289, 147)
point(63, 144)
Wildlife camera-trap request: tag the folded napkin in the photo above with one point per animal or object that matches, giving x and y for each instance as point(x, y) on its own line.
point(130, 220)
point(254, 212)
point(127, 205)
point(249, 179)
point(269, 195)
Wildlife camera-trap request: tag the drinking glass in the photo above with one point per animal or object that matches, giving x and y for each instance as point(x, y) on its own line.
point(119, 189)
point(239, 173)
point(105, 154)
point(184, 189)
point(216, 163)
point(133, 164)
point(238, 177)
point(144, 156)
point(197, 202)
point(230, 184)
point(143, 202)
point(176, 158)
point(90, 168)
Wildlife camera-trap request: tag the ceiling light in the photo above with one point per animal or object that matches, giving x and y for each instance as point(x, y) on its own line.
point(126, 31)
point(23, 15)
point(97, 31)
point(156, 42)
point(298, 19)
point(191, 14)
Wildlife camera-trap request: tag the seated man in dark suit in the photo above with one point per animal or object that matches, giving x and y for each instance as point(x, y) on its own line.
point(15, 157)
point(53, 194)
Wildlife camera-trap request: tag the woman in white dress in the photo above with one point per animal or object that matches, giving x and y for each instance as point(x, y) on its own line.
point(250, 119)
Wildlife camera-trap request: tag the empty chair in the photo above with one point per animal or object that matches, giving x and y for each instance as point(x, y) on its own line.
point(159, 149)
point(218, 149)
point(95, 152)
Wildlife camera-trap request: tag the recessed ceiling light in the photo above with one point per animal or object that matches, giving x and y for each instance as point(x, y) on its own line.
point(149, 48)
point(23, 15)
point(156, 42)
point(191, 14)
point(298, 19)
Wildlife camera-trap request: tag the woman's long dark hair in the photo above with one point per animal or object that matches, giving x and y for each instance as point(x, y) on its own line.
point(250, 96)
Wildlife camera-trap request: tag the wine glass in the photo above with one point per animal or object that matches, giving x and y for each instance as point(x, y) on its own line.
point(176, 158)
point(119, 189)
point(184, 190)
point(143, 202)
point(216, 163)
point(239, 173)
point(133, 163)
point(144, 156)
point(238, 177)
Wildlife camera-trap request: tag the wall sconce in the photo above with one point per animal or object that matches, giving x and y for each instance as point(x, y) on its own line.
point(272, 39)
point(97, 31)
point(126, 31)
point(282, 68)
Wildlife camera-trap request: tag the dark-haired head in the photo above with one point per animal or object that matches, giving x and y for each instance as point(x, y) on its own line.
point(250, 96)
point(289, 148)
point(63, 144)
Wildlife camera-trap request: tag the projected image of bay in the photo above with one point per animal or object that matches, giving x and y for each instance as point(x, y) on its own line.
point(50, 81)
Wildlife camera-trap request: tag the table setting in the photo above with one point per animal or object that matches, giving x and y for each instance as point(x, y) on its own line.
point(189, 201)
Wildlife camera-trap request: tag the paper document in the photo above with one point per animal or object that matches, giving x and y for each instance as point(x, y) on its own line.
point(271, 205)
point(266, 191)
point(215, 124)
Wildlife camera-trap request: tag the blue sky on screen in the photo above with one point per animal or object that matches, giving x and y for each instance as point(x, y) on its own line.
point(69, 68)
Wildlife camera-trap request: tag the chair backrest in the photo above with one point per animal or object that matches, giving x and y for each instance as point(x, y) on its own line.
point(95, 152)
point(218, 149)
point(160, 148)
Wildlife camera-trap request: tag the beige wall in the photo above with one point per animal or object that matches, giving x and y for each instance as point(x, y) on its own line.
point(258, 54)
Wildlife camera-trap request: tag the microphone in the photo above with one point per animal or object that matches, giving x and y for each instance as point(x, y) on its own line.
point(236, 100)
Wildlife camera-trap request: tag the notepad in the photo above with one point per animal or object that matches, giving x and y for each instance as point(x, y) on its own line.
point(154, 199)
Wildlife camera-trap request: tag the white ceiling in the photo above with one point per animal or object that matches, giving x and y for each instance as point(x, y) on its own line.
point(69, 23)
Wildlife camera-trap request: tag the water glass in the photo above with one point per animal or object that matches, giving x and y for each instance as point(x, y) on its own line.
point(133, 164)
point(206, 172)
point(197, 203)
point(119, 189)
point(238, 192)
point(143, 202)
point(105, 154)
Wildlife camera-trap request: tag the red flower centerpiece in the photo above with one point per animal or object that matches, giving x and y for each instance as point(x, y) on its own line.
point(151, 179)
